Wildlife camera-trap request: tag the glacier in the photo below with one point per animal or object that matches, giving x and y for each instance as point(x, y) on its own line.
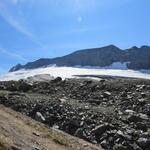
point(71, 72)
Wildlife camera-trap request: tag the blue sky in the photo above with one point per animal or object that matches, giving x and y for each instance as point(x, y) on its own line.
point(31, 29)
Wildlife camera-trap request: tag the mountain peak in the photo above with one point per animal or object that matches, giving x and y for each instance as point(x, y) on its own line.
point(134, 47)
point(145, 47)
point(112, 46)
point(17, 67)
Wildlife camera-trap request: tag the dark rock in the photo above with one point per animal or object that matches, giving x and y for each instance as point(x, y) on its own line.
point(58, 79)
point(102, 80)
point(79, 133)
point(105, 144)
point(3, 87)
point(120, 147)
point(134, 118)
point(143, 116)
point(99, 130)
point(88, 82)
point(142, 101)
point(143, 94)
point(94, 101)
point(3, 99)
point(141, 126)
point(125, 136)
point(23, 86)
point(138, 117)
point(144, 143)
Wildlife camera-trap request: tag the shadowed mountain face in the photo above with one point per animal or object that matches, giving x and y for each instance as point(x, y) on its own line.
point(137, 58)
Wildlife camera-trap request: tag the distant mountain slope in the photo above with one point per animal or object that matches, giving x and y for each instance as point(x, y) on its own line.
point(137, 58)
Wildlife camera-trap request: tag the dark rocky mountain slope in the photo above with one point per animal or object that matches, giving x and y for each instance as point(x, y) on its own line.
point(137, 58)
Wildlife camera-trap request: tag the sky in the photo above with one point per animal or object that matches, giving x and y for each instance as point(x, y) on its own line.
point(33, 29)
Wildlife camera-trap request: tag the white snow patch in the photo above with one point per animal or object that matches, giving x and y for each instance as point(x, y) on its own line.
point(115, 65)
point(145, 71)
point(119, 65)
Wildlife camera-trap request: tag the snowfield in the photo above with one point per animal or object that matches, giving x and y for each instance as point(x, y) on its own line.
point(69, 72)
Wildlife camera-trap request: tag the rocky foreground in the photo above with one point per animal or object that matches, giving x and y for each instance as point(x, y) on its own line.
point(19, 132)
point(112, 112)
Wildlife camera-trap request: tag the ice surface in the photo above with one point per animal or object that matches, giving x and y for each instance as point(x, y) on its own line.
point(68, 72)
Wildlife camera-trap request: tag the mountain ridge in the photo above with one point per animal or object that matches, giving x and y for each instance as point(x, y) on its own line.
point(137, 58)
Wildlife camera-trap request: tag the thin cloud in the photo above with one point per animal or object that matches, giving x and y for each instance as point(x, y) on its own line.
point(12, 54)
point(14, 1)
point(5, 13)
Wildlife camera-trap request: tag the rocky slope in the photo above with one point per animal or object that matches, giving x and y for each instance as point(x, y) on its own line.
point(18, 132)
point(136, 58)
point(112, 112)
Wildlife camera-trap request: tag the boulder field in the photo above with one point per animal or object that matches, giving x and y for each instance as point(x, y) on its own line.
point(112, 112)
